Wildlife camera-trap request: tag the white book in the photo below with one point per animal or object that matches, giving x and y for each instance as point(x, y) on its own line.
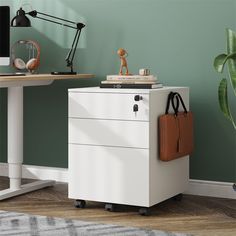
point(131, 77)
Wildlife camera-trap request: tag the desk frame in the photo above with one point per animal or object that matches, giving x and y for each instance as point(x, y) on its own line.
point(15, 87)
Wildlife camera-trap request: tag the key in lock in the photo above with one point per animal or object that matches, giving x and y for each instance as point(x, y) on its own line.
point(135, 108)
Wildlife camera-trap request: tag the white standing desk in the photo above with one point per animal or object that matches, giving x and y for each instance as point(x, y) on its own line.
point(15, 86)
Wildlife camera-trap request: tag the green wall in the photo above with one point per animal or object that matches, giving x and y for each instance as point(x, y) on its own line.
point(176, 39)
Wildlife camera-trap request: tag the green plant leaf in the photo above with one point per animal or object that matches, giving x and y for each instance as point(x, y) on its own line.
point(231, 41)
point(219, 62)
point(231, 49)
point(223, 101)
point(232, 73)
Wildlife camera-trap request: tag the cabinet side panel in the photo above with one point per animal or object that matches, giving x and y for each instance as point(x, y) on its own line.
point(167, 179)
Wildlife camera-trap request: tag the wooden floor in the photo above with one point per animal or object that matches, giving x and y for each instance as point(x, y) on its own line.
point(203, 216)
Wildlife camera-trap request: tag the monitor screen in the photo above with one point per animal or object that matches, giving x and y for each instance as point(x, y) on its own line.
point(4, 35)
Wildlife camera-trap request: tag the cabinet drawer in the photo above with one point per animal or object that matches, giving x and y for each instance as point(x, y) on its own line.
point(108, 106)
point(109, 132)
point(109, 174)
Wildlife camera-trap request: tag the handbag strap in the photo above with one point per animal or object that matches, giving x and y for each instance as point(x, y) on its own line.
point(176, 109)
point(170, 99)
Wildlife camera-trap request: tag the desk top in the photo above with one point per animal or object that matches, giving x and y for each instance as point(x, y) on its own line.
point(30, 77)
point(37, 79)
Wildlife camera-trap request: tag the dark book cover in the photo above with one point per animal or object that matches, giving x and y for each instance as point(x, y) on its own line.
point(137, 86)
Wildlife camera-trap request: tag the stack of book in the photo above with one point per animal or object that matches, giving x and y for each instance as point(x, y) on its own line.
point(131, 81)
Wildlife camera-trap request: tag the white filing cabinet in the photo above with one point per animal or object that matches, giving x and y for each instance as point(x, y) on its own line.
point(113, 150)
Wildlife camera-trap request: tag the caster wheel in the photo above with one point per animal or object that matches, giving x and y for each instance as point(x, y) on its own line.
point(178, 197)
point(144, 211)
point(110, 207)
point(234, 187)
point(80, 203)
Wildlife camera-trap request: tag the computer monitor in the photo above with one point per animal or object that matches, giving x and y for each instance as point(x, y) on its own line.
point(4, 35)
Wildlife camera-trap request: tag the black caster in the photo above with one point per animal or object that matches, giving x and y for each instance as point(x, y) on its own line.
point(110, 207)
point(144, 211)
point(234, 187)
point(80, 203)
point(178, 197)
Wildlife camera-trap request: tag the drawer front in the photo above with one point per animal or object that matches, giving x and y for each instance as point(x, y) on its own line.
point(108, 106)
point(109, 174)
point(109, 132)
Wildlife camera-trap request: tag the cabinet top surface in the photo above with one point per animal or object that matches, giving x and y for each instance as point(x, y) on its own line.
point(112, 90)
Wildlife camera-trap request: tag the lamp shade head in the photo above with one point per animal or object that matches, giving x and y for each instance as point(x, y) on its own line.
point(20, 20)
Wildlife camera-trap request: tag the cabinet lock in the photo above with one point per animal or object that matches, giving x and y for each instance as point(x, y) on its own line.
point(138, 98)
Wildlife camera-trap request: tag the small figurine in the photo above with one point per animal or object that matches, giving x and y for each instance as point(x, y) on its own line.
point(123, 62)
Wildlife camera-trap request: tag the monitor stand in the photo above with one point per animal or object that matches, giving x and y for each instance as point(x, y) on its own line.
point(63, 73)
point(12, 74)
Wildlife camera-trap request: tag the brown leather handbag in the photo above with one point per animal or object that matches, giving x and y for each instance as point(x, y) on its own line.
point(175, 130)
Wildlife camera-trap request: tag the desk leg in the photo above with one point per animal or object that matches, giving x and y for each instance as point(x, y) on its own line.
point(15, 136)
point(15, 147)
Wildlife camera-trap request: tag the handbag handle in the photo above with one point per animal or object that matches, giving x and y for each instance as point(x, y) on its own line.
point(175, 96)
point(176, 109)
point(170, 99)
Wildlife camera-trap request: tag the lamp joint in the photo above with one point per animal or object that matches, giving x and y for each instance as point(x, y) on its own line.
point(33, 13)
point(80, 26)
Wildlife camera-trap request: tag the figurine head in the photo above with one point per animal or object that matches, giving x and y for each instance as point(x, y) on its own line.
point(121, 52)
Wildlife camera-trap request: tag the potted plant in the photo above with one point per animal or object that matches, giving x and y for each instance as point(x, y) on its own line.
point(219, 64)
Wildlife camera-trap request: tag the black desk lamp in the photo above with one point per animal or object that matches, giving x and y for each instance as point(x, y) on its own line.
point(21, 20)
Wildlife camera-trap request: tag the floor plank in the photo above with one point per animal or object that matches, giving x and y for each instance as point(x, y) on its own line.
point(201, 216)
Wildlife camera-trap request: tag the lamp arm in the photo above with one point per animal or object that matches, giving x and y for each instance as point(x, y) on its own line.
point(72, 48)
point(34, 14)
point(55, 17)
point(52, 21)
point(71, 54)
point(75, 41)
point(75, 47)
point(78, 26)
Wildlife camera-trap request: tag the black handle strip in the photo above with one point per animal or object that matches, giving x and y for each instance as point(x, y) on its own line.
point(182, 102)
point(172, 97)
point(168, 102)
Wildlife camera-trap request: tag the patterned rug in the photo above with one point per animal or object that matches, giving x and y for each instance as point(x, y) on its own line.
point(12, 223)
